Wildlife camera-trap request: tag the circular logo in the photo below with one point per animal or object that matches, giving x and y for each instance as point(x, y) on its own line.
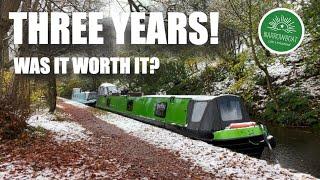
point(281, 31)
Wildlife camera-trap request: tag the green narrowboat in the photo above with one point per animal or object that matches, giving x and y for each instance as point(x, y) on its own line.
point(219, 120)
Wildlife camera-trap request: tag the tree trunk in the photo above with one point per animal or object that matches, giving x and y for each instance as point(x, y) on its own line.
point(52, 92)
point(52, 82)
point(1, 59)
point(264, 69)
point(257, 62)
point(52, 88)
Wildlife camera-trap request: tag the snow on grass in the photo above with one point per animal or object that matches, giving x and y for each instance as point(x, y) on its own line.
point(216, 160)
point(74, 103)
point(64, 131)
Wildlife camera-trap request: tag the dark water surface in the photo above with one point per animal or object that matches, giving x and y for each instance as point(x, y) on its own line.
point(297, 149)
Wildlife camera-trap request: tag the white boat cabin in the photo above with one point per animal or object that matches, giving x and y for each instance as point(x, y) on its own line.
point(108, 89)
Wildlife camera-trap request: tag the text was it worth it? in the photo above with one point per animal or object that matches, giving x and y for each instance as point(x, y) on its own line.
point(86, 65)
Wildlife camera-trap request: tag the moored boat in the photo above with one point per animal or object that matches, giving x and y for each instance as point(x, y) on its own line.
point(86, 97)
point(219, 120)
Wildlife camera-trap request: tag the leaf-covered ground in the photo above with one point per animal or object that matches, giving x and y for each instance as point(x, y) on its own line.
point(85, 143)
point(109, 153)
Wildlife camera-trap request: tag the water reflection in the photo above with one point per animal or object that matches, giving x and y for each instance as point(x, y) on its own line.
point(296, 149)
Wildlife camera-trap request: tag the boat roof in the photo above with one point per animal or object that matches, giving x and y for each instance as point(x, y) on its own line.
point(193, 97)
point(107, 84)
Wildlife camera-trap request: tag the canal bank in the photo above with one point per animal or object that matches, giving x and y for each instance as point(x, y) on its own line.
point(220, 162)
point(297, 149)
point(87, 143)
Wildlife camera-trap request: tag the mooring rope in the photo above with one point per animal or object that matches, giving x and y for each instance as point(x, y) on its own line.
point(265, 136)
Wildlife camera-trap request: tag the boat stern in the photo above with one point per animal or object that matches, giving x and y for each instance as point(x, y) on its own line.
point(247, 138)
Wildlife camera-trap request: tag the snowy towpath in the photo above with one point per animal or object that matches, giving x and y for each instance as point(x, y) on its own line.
point(86, 143)
point(221, 162)
point(106, 152)
point(139, 158)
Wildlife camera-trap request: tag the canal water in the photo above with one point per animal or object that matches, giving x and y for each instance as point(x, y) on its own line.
point(296, 149)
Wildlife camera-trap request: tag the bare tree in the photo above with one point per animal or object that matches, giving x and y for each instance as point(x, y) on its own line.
point(244, 15)
point(55, 50)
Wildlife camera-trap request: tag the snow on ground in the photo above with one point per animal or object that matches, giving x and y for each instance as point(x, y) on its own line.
point(220, 161)
point(278, 69)
point(221, 87)
point(16, 170)
point(74, 103)
point(64, 131)
point(12, 170)
point(310, 85)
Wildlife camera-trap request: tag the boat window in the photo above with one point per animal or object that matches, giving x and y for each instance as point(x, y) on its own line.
point(113, 89)
point(101, 91)
point(130, 105)
point(161, 109)
point(230, 110)
point(198, 110)
point(92, 95)
point(108, 102)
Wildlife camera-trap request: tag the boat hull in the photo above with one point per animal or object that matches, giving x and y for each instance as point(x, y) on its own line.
point(251, 146)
